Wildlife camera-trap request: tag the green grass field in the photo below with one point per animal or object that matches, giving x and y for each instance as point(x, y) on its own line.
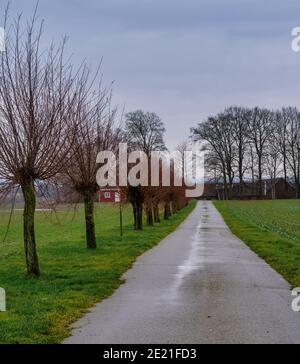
point(73, 278)
point(271, 229)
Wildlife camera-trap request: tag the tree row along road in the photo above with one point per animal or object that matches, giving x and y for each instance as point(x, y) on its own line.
point(201, 284)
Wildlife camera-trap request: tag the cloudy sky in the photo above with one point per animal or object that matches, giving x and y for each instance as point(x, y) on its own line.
point(183, 59)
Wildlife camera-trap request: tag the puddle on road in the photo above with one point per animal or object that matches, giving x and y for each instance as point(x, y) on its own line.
point(194, 260)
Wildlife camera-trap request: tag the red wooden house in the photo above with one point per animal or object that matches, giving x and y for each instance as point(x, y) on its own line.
point(111, 194)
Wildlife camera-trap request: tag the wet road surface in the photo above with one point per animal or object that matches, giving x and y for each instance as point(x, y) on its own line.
point(201, 284)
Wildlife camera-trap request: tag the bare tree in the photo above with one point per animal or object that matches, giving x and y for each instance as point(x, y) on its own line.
point(292, 118)
point(261, 123)
point(240, 118)
point(34, 101)
point(96, 132)
point(273, 158)
point(282, 122)
point(144, 132)
point(181, 148)
point(217, 132)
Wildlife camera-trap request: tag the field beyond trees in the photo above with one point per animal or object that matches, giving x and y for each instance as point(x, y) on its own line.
point(271, 229)
point(40, 310)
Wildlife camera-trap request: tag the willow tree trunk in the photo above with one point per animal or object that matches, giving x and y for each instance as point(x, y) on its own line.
point(136, 198)
point(172, 209)
point(156, 213)
point(175, 208)
point(167, 210)
point(89, 221)
point(138, 215)
point(149, 215)
point(28, 225)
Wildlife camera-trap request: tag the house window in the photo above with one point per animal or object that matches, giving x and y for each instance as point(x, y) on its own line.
point(106, 194)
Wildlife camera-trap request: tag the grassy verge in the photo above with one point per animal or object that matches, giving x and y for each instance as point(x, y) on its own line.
point(73, 278)
point(271, 229)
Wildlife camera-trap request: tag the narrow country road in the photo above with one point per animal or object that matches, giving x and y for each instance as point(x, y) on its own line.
point(201, 284)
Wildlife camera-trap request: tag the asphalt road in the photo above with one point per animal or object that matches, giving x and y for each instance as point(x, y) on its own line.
point(201, 284)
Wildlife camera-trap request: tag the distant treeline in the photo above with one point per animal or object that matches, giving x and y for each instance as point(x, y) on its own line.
point(252, 144)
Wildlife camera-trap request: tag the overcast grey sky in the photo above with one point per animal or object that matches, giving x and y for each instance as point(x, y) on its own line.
point(183, 59)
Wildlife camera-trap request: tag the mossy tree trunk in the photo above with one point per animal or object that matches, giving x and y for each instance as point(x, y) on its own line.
point(167, 210)
point(138, 215)
point(149, 214)
point(89, 220)
point(28, 226)
point(136, 198)
point(156, 213)
point(174, 207)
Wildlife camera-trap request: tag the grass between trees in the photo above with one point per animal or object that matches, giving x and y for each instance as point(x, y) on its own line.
point(271, 229)
point(73, 277)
